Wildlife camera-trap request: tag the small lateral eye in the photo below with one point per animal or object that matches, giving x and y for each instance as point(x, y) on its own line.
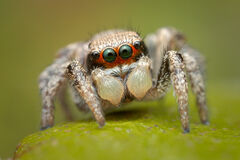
point(95, 54)
point(137, 44)
point(125, 51)
point(109, 55)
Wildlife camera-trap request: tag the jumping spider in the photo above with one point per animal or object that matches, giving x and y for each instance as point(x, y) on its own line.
point(117, 66)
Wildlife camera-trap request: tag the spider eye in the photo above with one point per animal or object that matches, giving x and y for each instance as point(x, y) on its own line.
point(125, 51)
point(95, 54)
point(137, 44)
point(109, 55)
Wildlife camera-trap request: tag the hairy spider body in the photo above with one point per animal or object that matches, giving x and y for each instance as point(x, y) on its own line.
point(117, 66)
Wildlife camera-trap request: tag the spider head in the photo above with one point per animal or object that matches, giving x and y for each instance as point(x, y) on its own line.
point(114, 48)
point(118, 53)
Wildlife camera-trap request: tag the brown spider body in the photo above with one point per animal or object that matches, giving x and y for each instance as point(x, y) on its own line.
point(117, 66)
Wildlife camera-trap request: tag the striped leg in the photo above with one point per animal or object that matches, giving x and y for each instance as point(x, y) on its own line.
point(50, 82)
point(172, 70)
point(193, 63)
point(83, 85)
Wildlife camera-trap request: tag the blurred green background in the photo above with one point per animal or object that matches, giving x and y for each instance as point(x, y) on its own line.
point(31, 31)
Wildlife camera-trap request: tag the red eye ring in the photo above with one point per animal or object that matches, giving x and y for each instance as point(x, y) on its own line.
point(109, 55)
point(119, 59)
point(125, 51)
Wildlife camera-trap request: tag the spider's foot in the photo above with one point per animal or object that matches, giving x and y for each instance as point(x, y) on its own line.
point(206, 122)
point(45, 127)
point(101, 123)
point(186, 130)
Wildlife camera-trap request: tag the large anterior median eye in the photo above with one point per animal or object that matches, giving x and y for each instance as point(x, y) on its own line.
point(125, 51)
point(109, 55)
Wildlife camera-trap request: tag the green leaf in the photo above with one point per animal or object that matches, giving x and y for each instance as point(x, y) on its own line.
point(143, 130)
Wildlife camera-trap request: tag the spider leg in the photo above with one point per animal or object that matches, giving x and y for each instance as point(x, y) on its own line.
point(83, 84)
point(63, 102)
point(164, 79)
point(158, 43)
point(179, 82)
point(50, 82)
point(170, 39)
point(79, 101)
point(172, 70)
point(193, 63)
point(168, 67)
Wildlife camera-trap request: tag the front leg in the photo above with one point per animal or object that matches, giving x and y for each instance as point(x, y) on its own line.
point(172, 70)
point(83, 85)
point(179, 82)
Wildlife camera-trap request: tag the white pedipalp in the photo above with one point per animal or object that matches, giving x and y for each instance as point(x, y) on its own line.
point(108, 87)
point(140, 79)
